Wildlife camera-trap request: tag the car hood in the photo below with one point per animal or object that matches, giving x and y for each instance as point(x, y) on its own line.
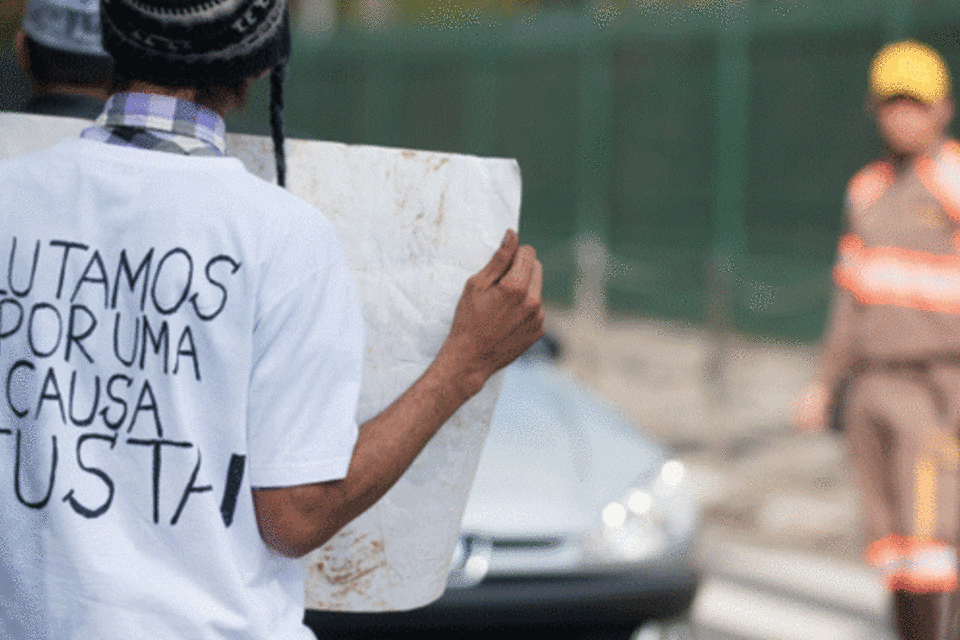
point(555, 456)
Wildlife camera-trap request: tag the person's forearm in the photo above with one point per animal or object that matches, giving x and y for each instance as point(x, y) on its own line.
point(390, 442)
point(499, 315)
point(386, 446)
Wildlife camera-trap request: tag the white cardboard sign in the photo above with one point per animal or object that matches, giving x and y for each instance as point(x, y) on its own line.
point(414, 226)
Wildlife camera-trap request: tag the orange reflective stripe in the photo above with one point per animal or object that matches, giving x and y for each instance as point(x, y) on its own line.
point(915, 564)
point(945, 446)
point(925, 497)
point(941, 177)
point(895, 276)
point(869, 184)
point(886, 554)
point(932, 567)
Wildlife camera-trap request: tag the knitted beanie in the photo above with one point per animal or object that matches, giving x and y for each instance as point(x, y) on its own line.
point(202, 43)
point(72, 26)
point(195, 43)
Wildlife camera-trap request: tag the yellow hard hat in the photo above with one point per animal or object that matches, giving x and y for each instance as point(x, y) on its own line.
point(909, 68)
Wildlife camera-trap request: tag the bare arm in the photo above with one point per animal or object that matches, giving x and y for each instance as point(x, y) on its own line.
point(498, 317)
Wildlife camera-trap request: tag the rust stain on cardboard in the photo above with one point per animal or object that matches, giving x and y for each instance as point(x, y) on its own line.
point(443, 201)
point(349, 574)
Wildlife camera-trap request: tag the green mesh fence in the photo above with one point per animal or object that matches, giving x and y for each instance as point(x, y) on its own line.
point(646, 178)
point(629, 128)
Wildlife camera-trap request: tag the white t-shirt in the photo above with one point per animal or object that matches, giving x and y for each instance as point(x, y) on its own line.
point(173, 332)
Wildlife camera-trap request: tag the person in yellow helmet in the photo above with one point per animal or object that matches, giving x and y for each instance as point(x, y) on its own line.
point(893, 340)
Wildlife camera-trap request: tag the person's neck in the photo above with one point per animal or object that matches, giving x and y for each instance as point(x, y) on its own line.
point(904, 161)
point(56, 88)
point(221, 102)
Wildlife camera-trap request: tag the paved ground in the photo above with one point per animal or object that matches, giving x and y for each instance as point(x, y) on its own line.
point(759, 481)
point(753, 593)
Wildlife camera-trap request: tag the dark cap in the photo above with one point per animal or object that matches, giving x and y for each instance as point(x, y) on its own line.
point(195, 42)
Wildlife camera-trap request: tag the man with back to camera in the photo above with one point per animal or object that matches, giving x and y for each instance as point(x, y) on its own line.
point(893, 337)
point(181, 351)
point(59, 49)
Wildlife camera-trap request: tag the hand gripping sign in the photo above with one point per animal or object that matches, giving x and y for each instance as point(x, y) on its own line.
point(414, 227)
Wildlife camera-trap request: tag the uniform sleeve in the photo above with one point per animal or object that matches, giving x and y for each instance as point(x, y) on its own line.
point(838, 354)
point(305, 382)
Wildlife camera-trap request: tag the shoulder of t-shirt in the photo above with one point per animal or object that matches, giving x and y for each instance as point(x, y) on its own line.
point(44, 154)
point(296, 237)
point(274, 212)
point(867, 185)
point(279, 207)
point(42, 165)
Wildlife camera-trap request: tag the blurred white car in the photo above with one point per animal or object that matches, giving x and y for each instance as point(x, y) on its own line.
point(576, 525)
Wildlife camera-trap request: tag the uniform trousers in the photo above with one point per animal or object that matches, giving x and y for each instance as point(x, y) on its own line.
point(902, 422)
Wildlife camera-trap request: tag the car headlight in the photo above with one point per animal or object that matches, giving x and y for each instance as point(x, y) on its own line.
point(646, 519)
point(470, 562)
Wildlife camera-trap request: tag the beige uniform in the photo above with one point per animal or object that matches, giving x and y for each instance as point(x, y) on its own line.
point(894, 332)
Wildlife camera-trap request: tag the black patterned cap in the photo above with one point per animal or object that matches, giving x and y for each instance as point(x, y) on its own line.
point(195, 42)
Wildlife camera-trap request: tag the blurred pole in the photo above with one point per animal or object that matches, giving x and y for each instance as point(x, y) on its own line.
point(730, 161)
point(591, 239)
point(593, 171)
point(481, 99)
point(898, 15)
point(383, 94)
point(374, 15)
point(314, 17)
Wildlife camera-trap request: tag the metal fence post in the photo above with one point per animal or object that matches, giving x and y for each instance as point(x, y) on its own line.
point(593, 170)
point(383, 93)
point(482, 94)
point(730, 161)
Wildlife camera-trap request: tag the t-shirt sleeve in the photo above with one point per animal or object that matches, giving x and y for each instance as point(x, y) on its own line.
point(305, 380)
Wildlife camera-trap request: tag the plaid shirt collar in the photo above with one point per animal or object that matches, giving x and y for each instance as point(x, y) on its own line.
point(159, 123)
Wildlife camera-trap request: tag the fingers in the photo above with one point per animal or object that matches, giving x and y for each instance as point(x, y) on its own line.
point(809, 410)
point(517, 279)
point(536, 281)
point(500, 262)
point(801, 418)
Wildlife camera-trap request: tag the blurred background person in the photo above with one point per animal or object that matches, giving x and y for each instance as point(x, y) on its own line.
point(59, 50)
point(894, 335)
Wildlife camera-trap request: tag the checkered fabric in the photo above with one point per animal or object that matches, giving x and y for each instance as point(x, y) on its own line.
point(159, 123)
